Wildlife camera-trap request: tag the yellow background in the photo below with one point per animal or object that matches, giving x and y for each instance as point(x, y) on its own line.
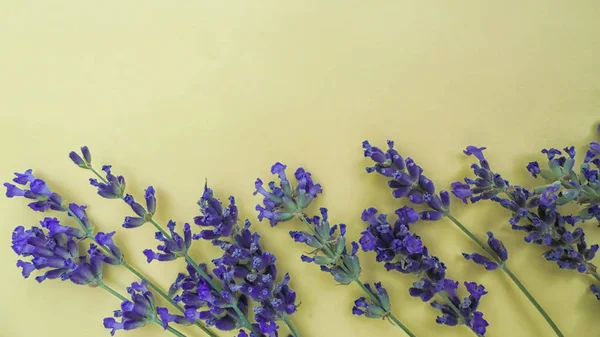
point(173, 92)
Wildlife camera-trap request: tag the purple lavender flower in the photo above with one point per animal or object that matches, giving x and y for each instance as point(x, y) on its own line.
point(202, 302)
point(544, 225)
point(594, 288)
point(283, 203)
point(84, 162)
point(222, 219)
point(467, 313)
point(371, 309)
point(408, 180)
point(37, 190)
point(143, 214)
point(403, 251)
point(499, 256)
point(171, 247)
point(330, 247)
point(55, 253)
point(244, 269)
point(113, 187)
point(140, 311)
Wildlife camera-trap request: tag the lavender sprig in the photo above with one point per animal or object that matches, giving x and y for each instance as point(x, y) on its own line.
point(408, 181)
point(138, 312)
point(103, 249)
point(403, 251)
point(544, 225)
point(564, 185)
point(222, 295)
point(245, 267)
point(283, 203)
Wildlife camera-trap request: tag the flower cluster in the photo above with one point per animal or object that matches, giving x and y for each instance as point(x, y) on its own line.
point(535, 212)
point(245, 269)
point(173, 246)
point(35, 189)
point(500, 254)
point(407, 180)
point(328, 243)
point(202, 302)
point(376, 309)
point(330, 251)
point(567, 186)
point(140, 311)
point(401, 250)
point(282, 203)
point(396, 246)
point(54, 249)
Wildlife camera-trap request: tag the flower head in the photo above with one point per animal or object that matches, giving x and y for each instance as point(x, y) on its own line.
point(408, 180)
point(57, 254)
point(35, 189)
point(468, 307)
point(172, 246)
point(373, 309)
point(283, 203)
point(219, 221)
point(330, 246)
point(86, 161)
point(140, 311)
point(113, 187)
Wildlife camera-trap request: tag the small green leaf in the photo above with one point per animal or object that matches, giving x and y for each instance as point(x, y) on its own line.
point(323, 260)
point(548, 175)
point(340, 245)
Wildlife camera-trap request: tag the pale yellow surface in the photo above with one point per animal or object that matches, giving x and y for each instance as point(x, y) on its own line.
point(173, 92)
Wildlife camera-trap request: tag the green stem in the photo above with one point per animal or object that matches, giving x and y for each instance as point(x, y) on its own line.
point(532, 300)
point(374, 298)
point(113, 292)
point(140, 275)
point(290, 326)
point(512, 276)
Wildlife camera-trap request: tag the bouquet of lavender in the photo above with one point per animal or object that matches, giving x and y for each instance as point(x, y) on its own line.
point(538, 212)
point(219, 298)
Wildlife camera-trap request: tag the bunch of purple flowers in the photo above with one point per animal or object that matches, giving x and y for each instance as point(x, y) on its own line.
point(283, 203)
point(537, 212)
point(55, 249)
point(245, 271)
point(408, 181)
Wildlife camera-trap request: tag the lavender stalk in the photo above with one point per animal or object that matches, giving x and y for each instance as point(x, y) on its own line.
point(409, 182)
point(244, 272)
point(103, 250)
point(283, 203)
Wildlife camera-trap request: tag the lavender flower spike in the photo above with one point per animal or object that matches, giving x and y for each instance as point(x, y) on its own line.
point(282, 203)
point(245, 270)
point(328, 243)
point(140, 311)
point(403, 251)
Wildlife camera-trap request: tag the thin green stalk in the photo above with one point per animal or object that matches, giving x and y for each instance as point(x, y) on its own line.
point(122, 298)
point(291, 327)
point(140, 275)
point(391, 316)
point(113, 292)
point(533, 301)
point(512, 276)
